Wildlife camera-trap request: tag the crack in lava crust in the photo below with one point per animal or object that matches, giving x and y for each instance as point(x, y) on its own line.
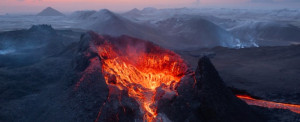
point(140, 68)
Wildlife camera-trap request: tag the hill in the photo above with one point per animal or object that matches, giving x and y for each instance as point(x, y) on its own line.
point(50, 12)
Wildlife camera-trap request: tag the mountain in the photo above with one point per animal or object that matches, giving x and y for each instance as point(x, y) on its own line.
point(24, 47)
point(268, 33)
point(252, 27)
point(50, 12)
point(134, 11)
point(202, 96)
point(195, 32)
point(191, 32)
point(81, 15)
point(46, 90)
point(106, 22)
point(132, 14)
point(149, 10)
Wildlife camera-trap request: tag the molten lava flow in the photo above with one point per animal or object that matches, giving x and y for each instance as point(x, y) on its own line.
point(269, 104)
point(140, 69)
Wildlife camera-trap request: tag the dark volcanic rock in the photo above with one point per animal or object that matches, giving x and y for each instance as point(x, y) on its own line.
point(25, 47)
point(269, 73)
point(206, 100)
point(35, 78)
point(70, 86)
point(111, 104)
point(202, 96)
point(219, 103)
point(119, 107)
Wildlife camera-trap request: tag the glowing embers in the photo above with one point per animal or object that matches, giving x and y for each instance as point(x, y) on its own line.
point(269, 104)
point(140, 68)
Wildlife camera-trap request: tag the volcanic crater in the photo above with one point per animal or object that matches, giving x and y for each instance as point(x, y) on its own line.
point(144, 82)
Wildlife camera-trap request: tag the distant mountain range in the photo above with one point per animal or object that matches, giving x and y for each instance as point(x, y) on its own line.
point(50, 12)
point(180, 28)
point(187, 31)
point(268, 33)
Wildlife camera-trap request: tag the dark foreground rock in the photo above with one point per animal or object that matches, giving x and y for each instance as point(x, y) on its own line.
point(208, 100)
point(270, 73)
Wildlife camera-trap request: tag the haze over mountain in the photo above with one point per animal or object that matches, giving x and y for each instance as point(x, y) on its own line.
point(107, 22)
point(190, 27)
point(186, 30)
point(25, 47)
point(49, 11)
point(269, 33)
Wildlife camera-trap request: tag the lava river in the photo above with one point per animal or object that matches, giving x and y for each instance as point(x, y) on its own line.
point(141, 68)
point(269, 104)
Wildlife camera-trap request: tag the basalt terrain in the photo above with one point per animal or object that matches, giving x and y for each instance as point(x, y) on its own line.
point(85, 76)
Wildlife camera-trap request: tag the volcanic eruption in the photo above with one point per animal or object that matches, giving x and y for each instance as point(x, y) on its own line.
point(148, 83)
point(140, 68)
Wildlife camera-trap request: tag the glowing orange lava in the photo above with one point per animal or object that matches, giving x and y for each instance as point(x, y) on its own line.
point(141, 68)
point(269, 104)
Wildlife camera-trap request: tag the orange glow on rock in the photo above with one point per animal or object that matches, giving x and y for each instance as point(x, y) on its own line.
point(141, 69)
point(269, 104)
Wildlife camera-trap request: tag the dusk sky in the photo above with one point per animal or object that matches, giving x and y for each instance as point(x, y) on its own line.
point(34, 6)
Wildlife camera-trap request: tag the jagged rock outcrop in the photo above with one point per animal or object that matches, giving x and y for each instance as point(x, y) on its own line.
point(207, 99)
